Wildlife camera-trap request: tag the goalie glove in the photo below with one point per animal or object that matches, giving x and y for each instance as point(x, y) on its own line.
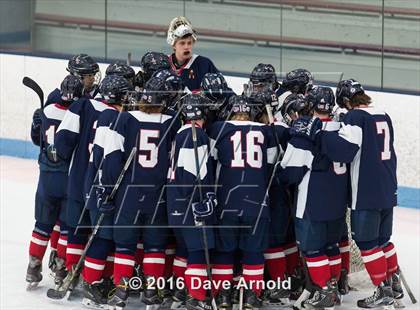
point(307, 127)
point(204, 209)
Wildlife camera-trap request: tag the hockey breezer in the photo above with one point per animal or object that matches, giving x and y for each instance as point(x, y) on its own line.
point(66, 288)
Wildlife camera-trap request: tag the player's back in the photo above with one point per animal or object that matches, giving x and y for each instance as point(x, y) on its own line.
point(240, 148)
point(373, 170)
point(74, 140)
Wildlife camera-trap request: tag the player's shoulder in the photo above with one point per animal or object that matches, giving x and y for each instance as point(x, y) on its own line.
point(150, 117)
point(330, 125)
point(245, 124)
point(55, 111)
point(108, 115)
point(361, 116)
point(202, 61)
point(53, 97)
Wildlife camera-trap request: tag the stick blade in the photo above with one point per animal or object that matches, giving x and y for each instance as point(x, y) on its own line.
point(30, 83)
point(55, 294)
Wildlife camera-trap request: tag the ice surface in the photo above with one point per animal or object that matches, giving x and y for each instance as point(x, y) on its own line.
point(18, 180)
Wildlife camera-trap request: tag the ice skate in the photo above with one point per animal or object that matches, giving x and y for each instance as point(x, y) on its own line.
point(151, 297)
point(93, 296)
point(60, 271)
point(67, 286)
point(195, 304)
point(382, 298)
point(397, 290)
point(279, 297)
point(321, 299)
point(52, 261)
point(107, 287)
point(343, 283)
point(33, 273)
point(251, 300)
point(118, 301)
point(224, 299)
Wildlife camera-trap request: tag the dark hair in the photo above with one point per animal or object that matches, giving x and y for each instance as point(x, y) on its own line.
point(360, 99)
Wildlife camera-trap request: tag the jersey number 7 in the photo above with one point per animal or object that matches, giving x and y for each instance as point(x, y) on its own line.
point(382, 128)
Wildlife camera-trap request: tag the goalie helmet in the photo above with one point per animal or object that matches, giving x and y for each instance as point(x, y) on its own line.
point(114, 89)
point(195, 107)
point(321, 98)
point(298, 81)
point(236, 104)
point(294, 106)
point(71, 89)
point(179, 28)
point(121, 69)
point(214, 87)
point(152, 62)
point(346, 89)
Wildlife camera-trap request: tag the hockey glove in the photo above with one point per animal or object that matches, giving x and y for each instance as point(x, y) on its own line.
point(36, 119)
point(52, 154)
point(307, 127)
point(102, 203)
point(204, 209)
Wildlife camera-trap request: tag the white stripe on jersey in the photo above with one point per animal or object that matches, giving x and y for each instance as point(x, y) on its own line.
point(186, 159)
point(351, 133)
point(272, 154)
point(191, 61)
point(354, 175)
point(51, 111)
point(303, 195)
point(150, 118)
point(101, 135)
point(295, 157)
point(114, 142)
point(372, 110)
point(245, 123)
point(99, 106)
point(70, 122)
point(331, 126)
point(213, 149)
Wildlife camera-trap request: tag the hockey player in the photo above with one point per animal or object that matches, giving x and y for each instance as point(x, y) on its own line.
point(190, 67)
point(51, 194)
point(150, 63)
point(366, 142)
point(191, 200)
point(136, 207)
point(98, 266)
point(298, 81)
point(241, 148)
point(319, 218)
point(74, 141)
point(84, 67)
point(263, 77)
point(123, 70)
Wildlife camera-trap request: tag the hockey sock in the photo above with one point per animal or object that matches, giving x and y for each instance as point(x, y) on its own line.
point(334, 258)
point(275, 260)
point(169, 259)
point(375, 263)
point(109, 266)
point(319, 269)
point(222, 270)
point(75, 246)
point(292, 257)
point(345, 254)
point(54, 236)
point(154, 264)
point(95, 259)
point(39, 243)
point(62, 242)
point(139, 253)
point(253, 270)
point(180, 262)
point(195, 275)
point(391, 259)
point(123, 262)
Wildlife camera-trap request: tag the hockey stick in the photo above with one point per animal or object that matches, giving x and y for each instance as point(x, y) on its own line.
point(28, 82)
point(129, 59)
point(201, 224)
point(407, 287)
point(65, 290)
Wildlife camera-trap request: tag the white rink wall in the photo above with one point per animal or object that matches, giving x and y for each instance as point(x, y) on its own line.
point(17, 104)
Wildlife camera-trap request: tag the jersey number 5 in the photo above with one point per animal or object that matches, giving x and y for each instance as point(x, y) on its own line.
point(382, 128)
point(148, 150)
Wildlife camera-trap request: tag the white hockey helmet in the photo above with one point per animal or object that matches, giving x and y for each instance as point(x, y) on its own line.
point(179, 27)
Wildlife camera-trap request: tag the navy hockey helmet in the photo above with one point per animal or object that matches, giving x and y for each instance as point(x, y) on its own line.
point(152, 62)
point(114, 89)
point(294, 106)
point(236, 104)
point(214, 86)
point(263, 75)
point(259, 100)
point(195, 107)
point(157, 92)
point(321, 98)
point(346, 89)
point(175, 86)
point(121, 69)
point(82, 64)
point(71, 89)
point(298, 81)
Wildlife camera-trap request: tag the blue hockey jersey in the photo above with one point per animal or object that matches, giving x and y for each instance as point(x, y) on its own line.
point(193, 71)
point(152, 135)
point(366, 140)
point(182, 188)
point(55, 96)
point(322, 192)
point(242, 150)
point(74, 141)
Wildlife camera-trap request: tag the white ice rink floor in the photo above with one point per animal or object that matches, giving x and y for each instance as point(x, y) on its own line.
point(18, 184)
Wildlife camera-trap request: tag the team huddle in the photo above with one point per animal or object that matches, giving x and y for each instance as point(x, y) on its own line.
point(168, 176)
